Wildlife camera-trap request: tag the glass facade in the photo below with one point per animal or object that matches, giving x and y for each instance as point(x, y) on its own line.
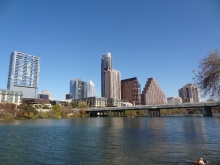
point(23, 74)
point(78, 88)
point(91, 89)
point(10, 96)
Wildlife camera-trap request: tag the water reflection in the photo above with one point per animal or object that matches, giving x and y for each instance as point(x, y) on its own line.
point(116, 140)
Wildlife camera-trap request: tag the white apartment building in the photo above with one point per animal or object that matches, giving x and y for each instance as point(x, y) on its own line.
point(189, 93)
point(174, 100)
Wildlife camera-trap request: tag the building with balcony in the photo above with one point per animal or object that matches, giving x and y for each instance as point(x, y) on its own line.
point(152, 93)
point(189, 93)
point(23, 74)
point(93, 101)
point(174, 100)
point(130, 91)
point(110, 78)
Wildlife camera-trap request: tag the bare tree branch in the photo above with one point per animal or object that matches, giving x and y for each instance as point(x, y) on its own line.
point(208, 76)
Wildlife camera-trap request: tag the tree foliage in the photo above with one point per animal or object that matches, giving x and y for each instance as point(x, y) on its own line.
point(208, 76)
point(74, 104)
point(82, 113)
point(28, 112)
point(56, 111)
point(7, 111)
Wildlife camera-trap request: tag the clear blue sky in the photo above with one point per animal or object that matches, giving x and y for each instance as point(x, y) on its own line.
point(147, 38)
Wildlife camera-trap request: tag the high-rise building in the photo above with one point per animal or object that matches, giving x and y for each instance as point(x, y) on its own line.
point(23, 74)
point(78, 88)
point(189, 93)
point(112, 86)
point(152, 93)
point(130, 91)
point(106, 62)
point(91, 89)
point(174, 100)
point(110, 78)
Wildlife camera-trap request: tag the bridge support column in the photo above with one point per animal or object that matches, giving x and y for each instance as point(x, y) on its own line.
point(123, 113)
point(110, 113)
point(150, 113)
point(207, 111)
point(158, 112)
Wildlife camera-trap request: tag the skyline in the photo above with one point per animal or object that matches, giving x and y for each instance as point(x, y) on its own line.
point(160, 39)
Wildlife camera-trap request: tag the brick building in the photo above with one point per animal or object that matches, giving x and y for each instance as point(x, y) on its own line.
point(130, 91)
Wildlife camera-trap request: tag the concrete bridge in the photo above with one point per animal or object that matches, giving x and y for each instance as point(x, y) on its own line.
point(153, 110)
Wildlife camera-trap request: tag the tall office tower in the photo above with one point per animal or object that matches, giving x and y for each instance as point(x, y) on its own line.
point(189, 93)
point(130, 91)
point(174, 100)
point(106, 62)
point(112, 86)
point(78, 88)
point(23, 74)
point(152, 93)
point(91, 89)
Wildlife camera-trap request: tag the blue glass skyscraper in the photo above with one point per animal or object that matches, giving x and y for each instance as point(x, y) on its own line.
point(23, 74)
point(78, 88)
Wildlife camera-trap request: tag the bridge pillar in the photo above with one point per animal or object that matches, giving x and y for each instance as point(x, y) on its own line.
point(150, 112)
point(123, 113)
point(153, 112)
point(158, 112)
point(207, 111)
point(110, 114)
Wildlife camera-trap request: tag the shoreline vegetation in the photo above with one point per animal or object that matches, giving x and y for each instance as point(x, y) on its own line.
point(72, 110)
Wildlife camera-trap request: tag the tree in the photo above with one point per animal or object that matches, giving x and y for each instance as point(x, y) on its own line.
point(28, 112)
point(74, 104)
point(56, 111)
point(66, 111)
point(82, 105)
point(208, 76)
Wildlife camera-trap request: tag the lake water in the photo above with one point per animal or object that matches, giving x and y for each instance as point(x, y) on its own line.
point(110, 141)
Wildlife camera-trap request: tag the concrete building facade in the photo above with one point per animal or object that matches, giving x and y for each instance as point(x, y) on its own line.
point(93, 101)
point(23, 74)
point(189, 93)
point(112, 87)
point(174, 100)
point(110, 78)
point(130, 91)
point(152, 93)
point(106, 62)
